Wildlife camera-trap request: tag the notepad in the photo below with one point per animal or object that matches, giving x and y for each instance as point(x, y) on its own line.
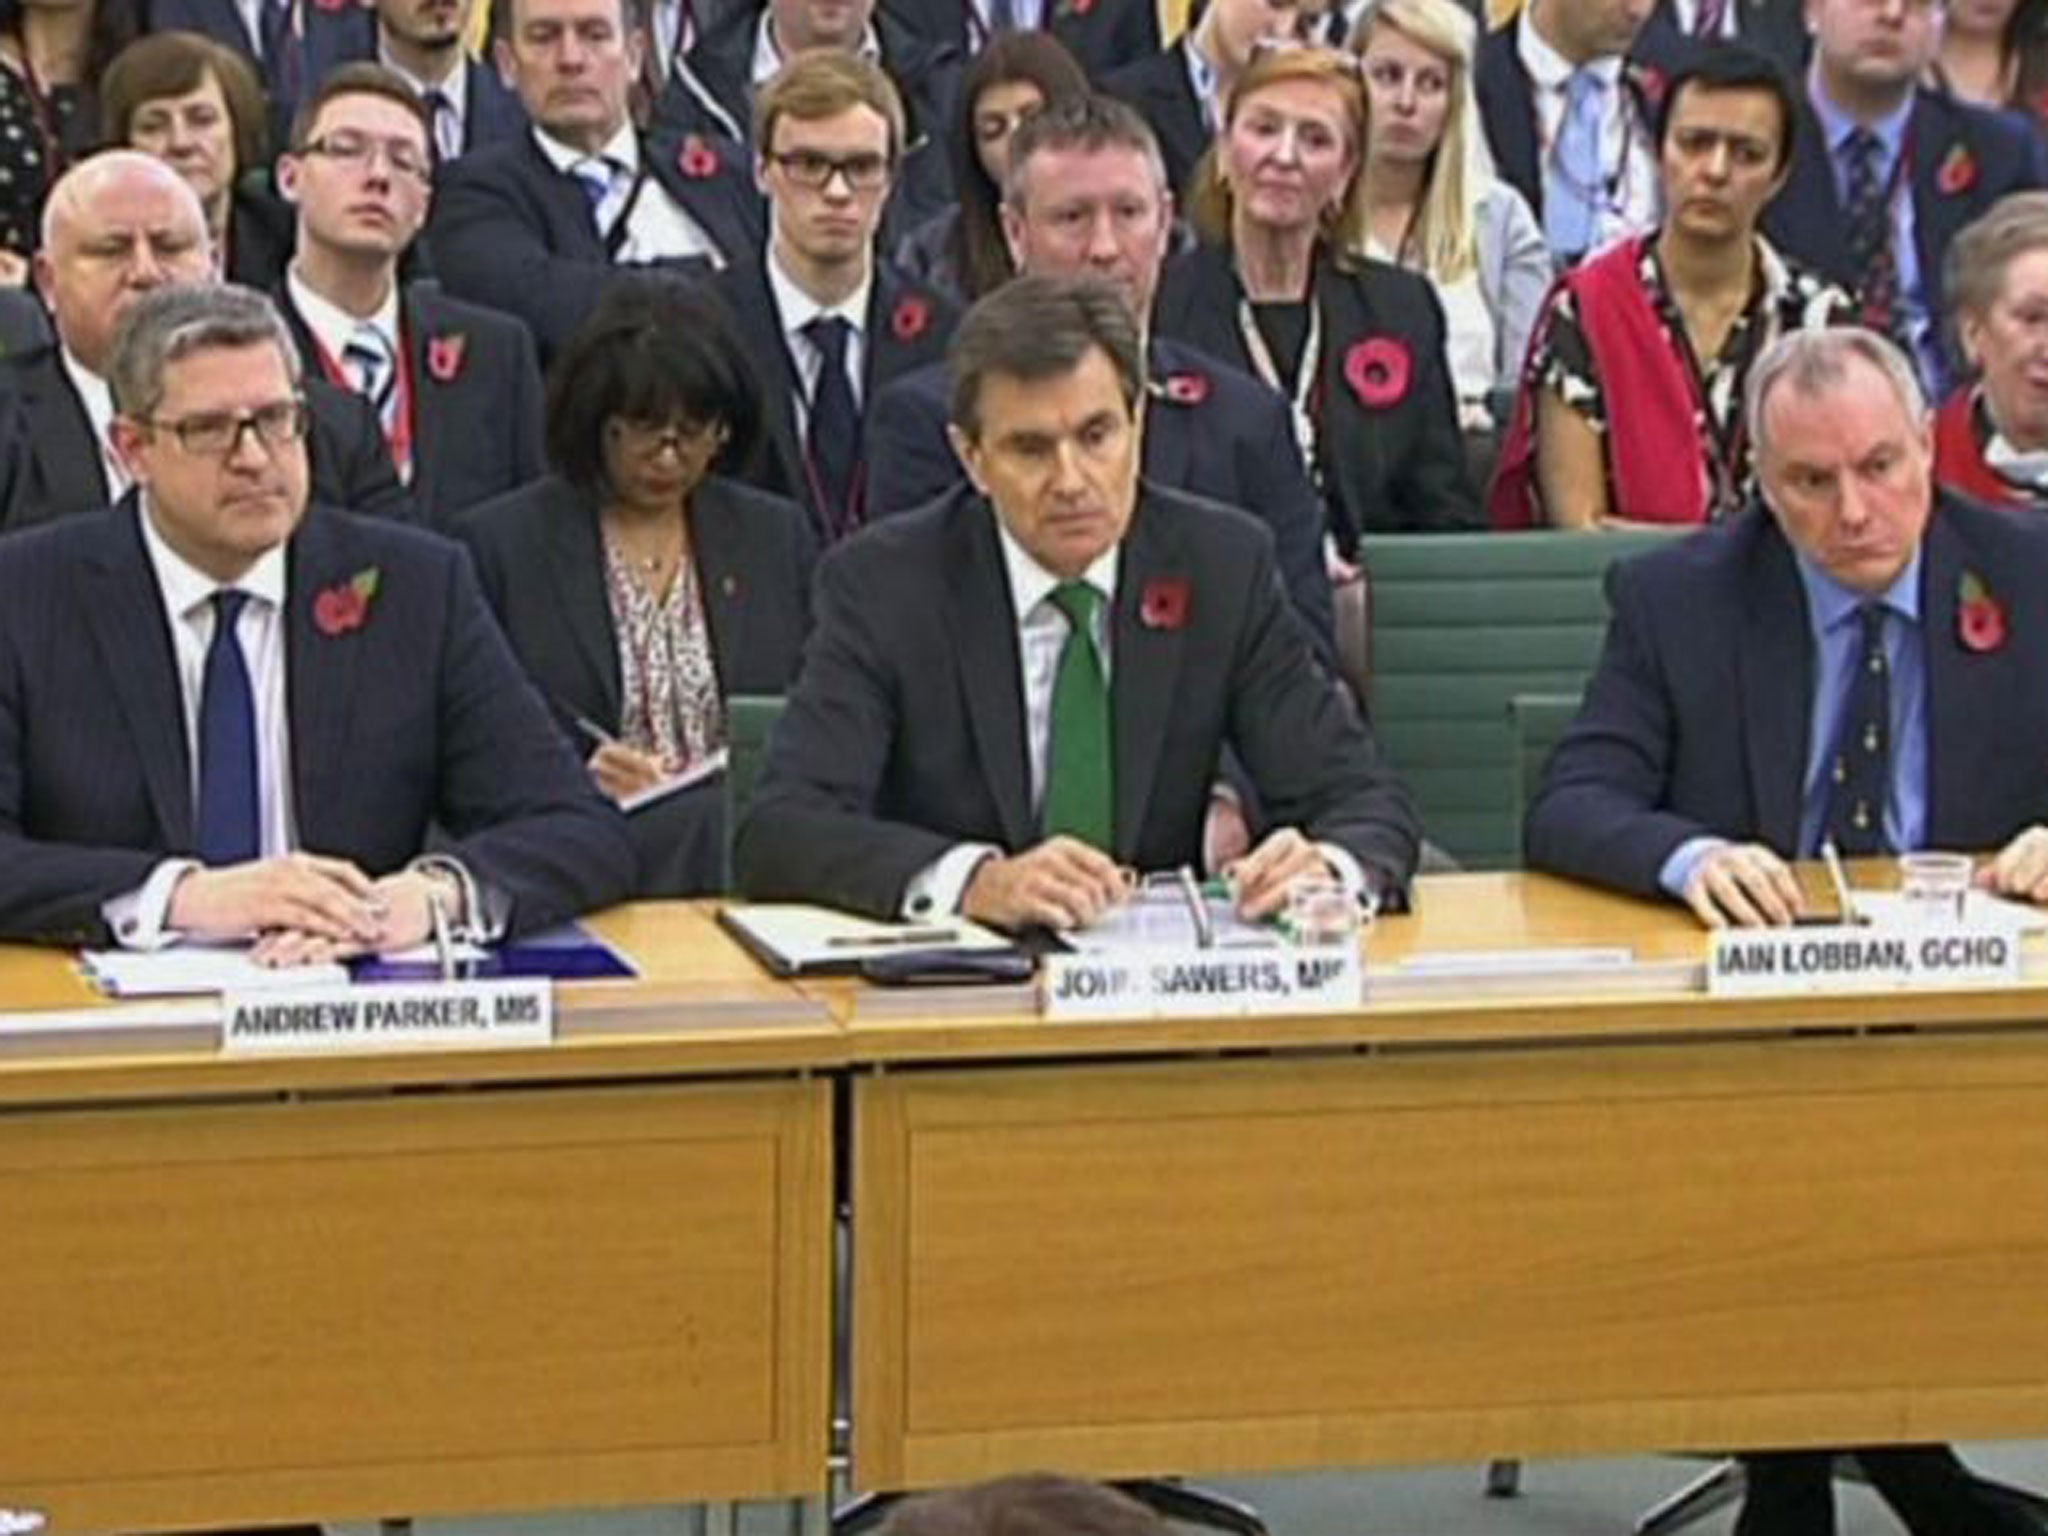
point(792, 939)
point(706, 767)
point(191, 970)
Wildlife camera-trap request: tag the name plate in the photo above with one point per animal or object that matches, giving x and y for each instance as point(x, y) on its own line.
point(306, 1020)
point(1756, 962)
point(1188, 982)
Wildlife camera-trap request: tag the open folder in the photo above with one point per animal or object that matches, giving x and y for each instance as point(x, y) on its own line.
point(796, 940)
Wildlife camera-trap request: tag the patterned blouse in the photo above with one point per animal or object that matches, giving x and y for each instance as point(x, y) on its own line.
point(669, 702)
point(36, 141)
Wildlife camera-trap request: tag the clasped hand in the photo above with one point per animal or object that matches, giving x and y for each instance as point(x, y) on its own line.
point(304, 909)
point(1064, 883)
point(1746, 885)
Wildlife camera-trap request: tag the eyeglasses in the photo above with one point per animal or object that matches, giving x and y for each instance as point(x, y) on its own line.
point(218, 434)
point(814, 171)
point(359, 150)
point(649, 438)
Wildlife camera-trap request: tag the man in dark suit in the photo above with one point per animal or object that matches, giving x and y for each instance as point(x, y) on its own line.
point(953, 743)
point(826, 319)
point(1885, 172)
point(117, 226)
point(1679, 30)
point(538, 227)
point(1102, 35)
point(227, 715)
point(1088, 197)
point(456, 387)
point(1855, 660)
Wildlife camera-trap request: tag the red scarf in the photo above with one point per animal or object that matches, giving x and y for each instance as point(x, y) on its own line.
point(1959, 462)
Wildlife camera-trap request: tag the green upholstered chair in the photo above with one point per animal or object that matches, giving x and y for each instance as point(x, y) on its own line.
point(749, 719)
point(1536, 723)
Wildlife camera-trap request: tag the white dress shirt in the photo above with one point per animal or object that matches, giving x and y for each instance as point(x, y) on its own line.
point(98, 401)
point(1632, 200)
point(334, 327)
point(768, 55)
point(797, 309)
point(658, 228)
point(450, 125)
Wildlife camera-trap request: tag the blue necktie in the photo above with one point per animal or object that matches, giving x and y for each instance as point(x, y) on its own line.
point(835, 423)
point(595, 174)
point(1869, 236)
point(230, 829)
point(1859, 770)
point(368, 356)
point(1575, 188)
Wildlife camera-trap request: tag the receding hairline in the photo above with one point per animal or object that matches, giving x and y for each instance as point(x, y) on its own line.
point(1836, 372)
point(1014, 188)
point(96, 177)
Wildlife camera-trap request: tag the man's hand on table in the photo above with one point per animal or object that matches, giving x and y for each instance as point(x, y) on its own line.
point(304, 909)
point(1744, 885)
point(1261, 878)
point(1061, 883)
point(2020, 868)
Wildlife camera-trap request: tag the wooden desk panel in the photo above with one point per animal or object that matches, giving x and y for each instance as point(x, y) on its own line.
point(237, 1313)
point(1321, 1261)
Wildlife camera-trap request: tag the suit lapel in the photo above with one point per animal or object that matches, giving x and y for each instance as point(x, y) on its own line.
point(577, 570)
point(984, 626)
point(66, 454)
point(320, 675)
point(1145, 661)
point(1806, 216)
point(435, 422)
point(760, 324)
point(1169, 423)
point(1774, 716)
point(1964, 707)
point(124, 610)
point(564, 206)
point(716, 543)
point(1509, 112)
point(1937, 215)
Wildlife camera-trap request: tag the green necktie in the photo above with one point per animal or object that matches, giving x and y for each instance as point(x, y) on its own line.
point(1080, 796)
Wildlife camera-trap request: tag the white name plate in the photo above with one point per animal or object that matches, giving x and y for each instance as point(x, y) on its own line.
point(382, 1015)
point(1756, 962)
point(1158, 982)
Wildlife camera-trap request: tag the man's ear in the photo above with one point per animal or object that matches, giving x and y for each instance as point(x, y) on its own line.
point(968, 451)
point(288, 178)
point(127, 436)
point(1013, 234)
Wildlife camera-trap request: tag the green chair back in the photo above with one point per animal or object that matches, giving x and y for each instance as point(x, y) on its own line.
point(749, 721)
point(1537, 722)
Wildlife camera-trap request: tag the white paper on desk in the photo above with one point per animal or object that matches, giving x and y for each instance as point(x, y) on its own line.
point(1156, 917)
point(191, 970)
point(1888, 909)
point(706, 767)
point(1512, 962)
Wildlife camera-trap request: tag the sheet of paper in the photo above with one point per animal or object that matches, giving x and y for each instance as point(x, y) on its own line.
point(1512, 962)
point(1889, 908)
point(1158, 915)
point(809, 937)
point(191, 970)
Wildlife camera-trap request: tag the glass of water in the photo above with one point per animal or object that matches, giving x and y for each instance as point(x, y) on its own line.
point(1934, 886)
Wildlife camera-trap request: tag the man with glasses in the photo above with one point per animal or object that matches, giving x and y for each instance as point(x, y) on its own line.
point(826, 320)
point(538, 227)
point(248, 712)
point(456, 388)
point(116, 227)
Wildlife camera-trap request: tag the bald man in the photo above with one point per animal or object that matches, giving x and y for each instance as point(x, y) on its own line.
point(115, 227)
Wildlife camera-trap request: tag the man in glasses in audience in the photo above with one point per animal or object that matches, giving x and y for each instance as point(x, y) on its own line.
point(228, 715)
point(827, 321)
point(455, 387)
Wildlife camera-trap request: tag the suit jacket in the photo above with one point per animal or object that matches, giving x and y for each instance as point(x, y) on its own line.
point(1103, 35)
point(907, 328)
point(323, 43)
point(1774, 28)
point(1234, 445)
point(1397, 467)
point(492, 113)
point(1159, 87)
point(510, 232)
point(1696, 719)
point(50, 466)
point(262, 232)
point(417, 720)
point(477, 418)
point(905, 734)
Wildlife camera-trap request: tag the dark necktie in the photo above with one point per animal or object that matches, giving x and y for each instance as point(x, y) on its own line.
point(835, 424)
point(1706, 21)
point(230, 829)
point(447, 136)
point(1870, 235)
point(280, 47)
point(1859, 771)
point(1002, 15)
point(372, 367)
point(1080, 796)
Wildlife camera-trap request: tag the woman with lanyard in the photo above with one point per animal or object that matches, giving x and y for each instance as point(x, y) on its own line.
point(49, 56)
point(1641, 354)
point(1991, 435)
point(1279, 287)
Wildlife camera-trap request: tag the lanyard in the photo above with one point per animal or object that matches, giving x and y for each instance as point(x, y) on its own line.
point(399, 440)
point(1300, 398)
point(1611, 197)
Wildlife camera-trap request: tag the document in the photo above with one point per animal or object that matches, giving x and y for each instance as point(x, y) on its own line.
point(707, 767)
point(792, 939)
point(192, 970)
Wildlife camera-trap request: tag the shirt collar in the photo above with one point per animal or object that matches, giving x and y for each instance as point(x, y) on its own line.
point(768, 52)
point(1031, 583)
point(454, 85)
point(1836, 125)
point(186, 587)
point(1548, 69)
point(332, 326)
point(798, 308)
point(92, 390)
point(1202, 80)
point(622, 149)
point(1829, 603)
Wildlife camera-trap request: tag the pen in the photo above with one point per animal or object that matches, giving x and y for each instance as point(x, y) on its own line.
point(906, 936)
point(1839, 878)
point(595, 732)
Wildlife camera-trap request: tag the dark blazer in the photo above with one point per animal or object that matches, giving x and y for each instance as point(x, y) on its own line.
point(1399, 467)
point(907, 328)
point(1774, 28)
point(418, 720)
point(478, 418)
point(1234, 445)
point(905, 734)
point(324, 43)
point(541, 561)
point(1159, 87)
point(1697, 716)
point(50, 466)
point(493, 113)
point(262, 233)
point(2001, 151)
point(1102, 35)
point(511, 232)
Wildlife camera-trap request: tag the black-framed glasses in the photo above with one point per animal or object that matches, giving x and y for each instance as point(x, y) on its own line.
point(357, 150)
point(217, 434)
point(681, 437)
point(813, 170)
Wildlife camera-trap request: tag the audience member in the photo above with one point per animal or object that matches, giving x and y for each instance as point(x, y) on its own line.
point(1885, 171)
point(640, 587)
point(1028, 1504)
point(1991, 437)
point(1279, 286)
point(1678, 30)
point(826, 323)
point(961, 251)
point(1631, 411)
point(1566, 95)
point(539, 227)
point(1181, 91)
point(455, 387)
point(1994, 53)
point(285, 42)
point(1087, 197)
point(1013, 694)
point(117, 226)
point(1436, 205)
point(1101, 35)
point(51, 58)
point(200, 690)
point(198, 107)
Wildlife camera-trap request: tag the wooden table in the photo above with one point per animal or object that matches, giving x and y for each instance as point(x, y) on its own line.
point(1450, 1230)
point(260, 1290)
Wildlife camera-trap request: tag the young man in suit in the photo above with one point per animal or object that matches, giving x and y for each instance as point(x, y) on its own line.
point(248, 713)
point(538, 227)
point(826, 318)
point(116, 227)
point(953, 744)
point(456, 387)
point(1886, 171)
point(1102, 35)
point(1853, 659)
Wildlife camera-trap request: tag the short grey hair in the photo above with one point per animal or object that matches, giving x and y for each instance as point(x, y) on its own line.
point(1039, 328)
point(173, 323)
point(1090, 124)
point(1974, 270)
point(1807, 362)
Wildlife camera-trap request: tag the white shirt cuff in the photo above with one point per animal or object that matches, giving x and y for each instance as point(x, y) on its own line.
point(1685, 858)
point(1350, 873)
point(935, 890)
point(138, 917)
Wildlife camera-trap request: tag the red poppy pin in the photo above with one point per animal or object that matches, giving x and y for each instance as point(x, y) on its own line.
point(332, 5)
point(1377, 370)
point(1651, 83)
point(1980, 617)
point(1164, 603)
point(697, 159)
point(2039, 105)
point(444, 356)
point(1075, 7)
point(346, 605)
point(913, 314)
point(1188, 388)
point(1958, 171)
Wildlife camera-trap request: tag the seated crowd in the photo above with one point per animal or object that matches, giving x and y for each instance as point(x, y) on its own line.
point(417, 426)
